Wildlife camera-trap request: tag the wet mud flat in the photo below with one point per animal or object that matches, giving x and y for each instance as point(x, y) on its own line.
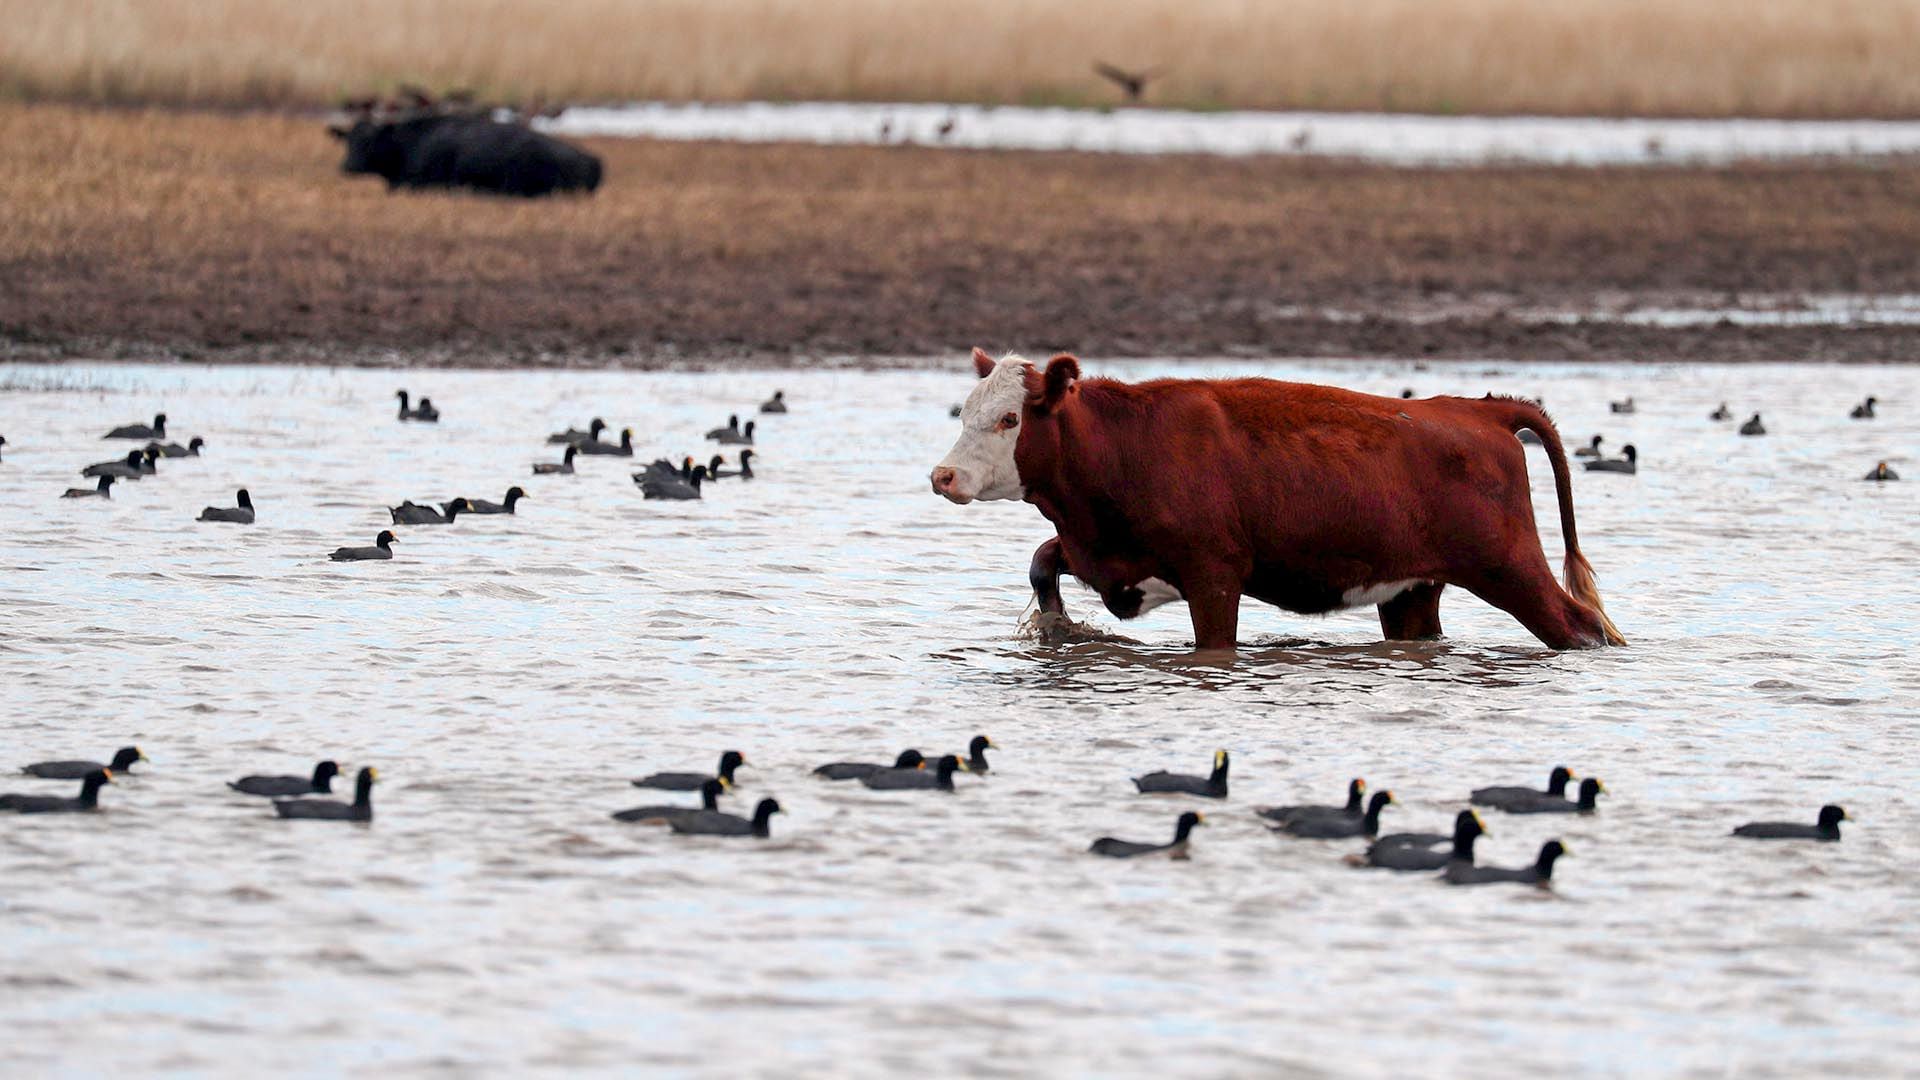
point(146, 234)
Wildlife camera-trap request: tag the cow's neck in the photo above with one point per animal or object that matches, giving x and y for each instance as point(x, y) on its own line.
point(1067, 489)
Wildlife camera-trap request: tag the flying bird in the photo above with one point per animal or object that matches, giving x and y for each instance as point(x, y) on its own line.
point(1131, 83)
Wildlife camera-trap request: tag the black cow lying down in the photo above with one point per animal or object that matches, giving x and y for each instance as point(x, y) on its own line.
point(465, 150)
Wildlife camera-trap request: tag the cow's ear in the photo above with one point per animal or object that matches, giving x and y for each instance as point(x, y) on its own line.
point(982, 363)
point(336, 131)
point(1062, 372)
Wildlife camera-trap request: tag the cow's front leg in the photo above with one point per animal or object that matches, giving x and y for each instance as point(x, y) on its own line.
point(1049, 562)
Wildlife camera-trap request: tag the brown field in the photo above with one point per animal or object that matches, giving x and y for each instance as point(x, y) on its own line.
point(1606, 57)
point(135, 233)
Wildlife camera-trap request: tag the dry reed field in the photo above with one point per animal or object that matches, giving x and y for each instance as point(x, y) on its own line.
point(1606, 57)
point(236, 235)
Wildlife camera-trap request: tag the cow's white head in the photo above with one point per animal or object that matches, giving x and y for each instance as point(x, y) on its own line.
point(980, 465)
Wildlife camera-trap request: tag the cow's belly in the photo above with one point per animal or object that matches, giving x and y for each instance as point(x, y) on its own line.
point(1316, 592)
point(1372, 595)
point(1305, 595)
point(1157, 593)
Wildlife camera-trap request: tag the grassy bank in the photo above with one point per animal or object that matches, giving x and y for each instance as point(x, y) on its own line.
point(236, 232)
point(1604, 57)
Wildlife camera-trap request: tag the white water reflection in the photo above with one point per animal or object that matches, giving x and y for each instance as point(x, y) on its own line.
point(1399, 139)
point(1815, 309)
point(1751, 309)
point(509, 674)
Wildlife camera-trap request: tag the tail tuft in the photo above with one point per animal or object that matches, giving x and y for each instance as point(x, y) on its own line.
point(1581, 586)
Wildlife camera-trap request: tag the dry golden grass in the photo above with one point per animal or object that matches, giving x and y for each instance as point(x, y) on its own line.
point(237, 233)
point(1670, 57)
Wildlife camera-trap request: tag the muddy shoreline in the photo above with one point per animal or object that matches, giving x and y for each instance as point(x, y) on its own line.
point(1465, 341)
point(224, 237)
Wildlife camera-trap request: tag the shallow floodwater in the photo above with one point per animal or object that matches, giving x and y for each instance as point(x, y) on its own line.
point(508, 675)
point(1389, 138)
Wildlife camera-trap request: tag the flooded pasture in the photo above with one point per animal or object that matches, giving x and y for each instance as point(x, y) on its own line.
point(509, 675)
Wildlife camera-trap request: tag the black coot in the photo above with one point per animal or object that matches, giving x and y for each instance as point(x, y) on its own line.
point(710, 793)
point(1425, 851)
point(624, 448)
point(1332, 828)
point(693, 781)
point(1540, 874)
point(656, 486)
point(102, 491)
point(1556, 788)
point(717, 823)
point(855, 770)
point(563, 468)
point(938, 778)
point(127, 468)
point(412, 513)
point(1590, 791)
point(360, 809)
point(87, 800)
point(1827, 828)
point(1355, 806)
point(1212, 786)
point(141, 431)
point(240, 515)
point(425, 411)
point(482, 506)
point(744, 472)
point(123, 761)
point(382, 549)
point(320, 783)
point(192, 449)
point(1176, 849)
point(1628, 462)
point(575, 435)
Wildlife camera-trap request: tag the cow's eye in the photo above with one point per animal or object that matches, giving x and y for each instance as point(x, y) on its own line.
point(1009, 422)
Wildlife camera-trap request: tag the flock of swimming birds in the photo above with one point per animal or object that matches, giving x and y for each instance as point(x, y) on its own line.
point(1629, 460)
point(303, 797)
point(1452, 854)
point(664, 480)
point(659, 480)
point(1358, 818)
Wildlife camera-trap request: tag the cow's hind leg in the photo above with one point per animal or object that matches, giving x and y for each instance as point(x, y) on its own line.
point(1216, 615)
point(1532, 596)
point(1414, 615)
point(1049, 562)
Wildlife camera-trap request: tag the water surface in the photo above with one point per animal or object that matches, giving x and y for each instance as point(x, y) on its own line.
point(1388, 138)
point(508, 675)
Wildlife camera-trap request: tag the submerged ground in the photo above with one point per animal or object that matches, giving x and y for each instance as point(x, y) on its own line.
point(150, 234)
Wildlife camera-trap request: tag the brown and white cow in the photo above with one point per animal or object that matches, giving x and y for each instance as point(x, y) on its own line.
point(1311, 498)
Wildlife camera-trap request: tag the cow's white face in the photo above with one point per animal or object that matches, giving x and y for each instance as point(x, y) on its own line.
point(980, 465)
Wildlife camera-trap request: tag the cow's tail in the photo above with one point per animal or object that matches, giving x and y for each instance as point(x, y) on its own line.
point(1526, 415)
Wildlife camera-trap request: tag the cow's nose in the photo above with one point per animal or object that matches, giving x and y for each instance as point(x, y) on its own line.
point(943, 481)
